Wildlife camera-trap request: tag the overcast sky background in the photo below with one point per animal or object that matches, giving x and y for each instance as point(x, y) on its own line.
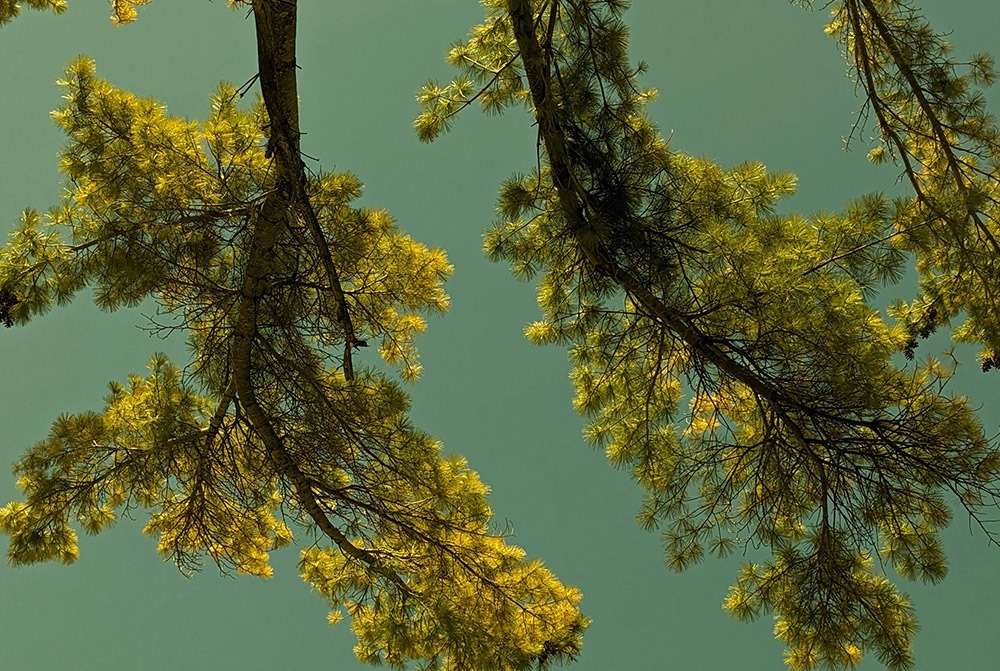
point(737, 80)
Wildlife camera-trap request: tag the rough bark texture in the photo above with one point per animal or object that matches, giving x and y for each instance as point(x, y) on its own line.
point(275, 22)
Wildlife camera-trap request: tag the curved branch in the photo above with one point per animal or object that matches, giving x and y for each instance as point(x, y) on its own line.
point(276, 57)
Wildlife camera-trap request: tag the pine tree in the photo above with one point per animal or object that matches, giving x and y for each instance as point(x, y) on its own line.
point(932, 119)
point(673, 279)
point(276, 279)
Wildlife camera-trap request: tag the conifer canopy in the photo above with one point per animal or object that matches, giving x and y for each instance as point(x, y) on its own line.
point(731, 356)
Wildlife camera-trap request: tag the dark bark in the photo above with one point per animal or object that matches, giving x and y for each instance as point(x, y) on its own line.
point(275, 21)
point(573, 201)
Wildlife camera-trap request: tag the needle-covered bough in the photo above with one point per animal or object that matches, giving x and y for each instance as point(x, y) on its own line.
point(276, 280)
point(672, 279)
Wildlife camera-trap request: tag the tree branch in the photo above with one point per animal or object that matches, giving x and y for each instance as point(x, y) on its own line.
point(276, 58)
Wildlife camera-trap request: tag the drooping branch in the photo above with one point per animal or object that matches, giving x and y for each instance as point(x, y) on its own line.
point(937, 125)
point(573, 199)
point(881, 48)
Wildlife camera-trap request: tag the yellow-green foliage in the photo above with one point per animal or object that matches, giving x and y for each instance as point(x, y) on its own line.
point(163, 208)
point(159, 205)
point(800, 432)
point(149, 449)
point(506, 616)
point(122, 11)
point(930, 111)
point(9, 9)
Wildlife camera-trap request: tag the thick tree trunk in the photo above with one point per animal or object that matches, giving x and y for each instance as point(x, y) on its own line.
point(275, 20)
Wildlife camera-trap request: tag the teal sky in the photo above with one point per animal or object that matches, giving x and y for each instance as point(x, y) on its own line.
point(737, 80)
